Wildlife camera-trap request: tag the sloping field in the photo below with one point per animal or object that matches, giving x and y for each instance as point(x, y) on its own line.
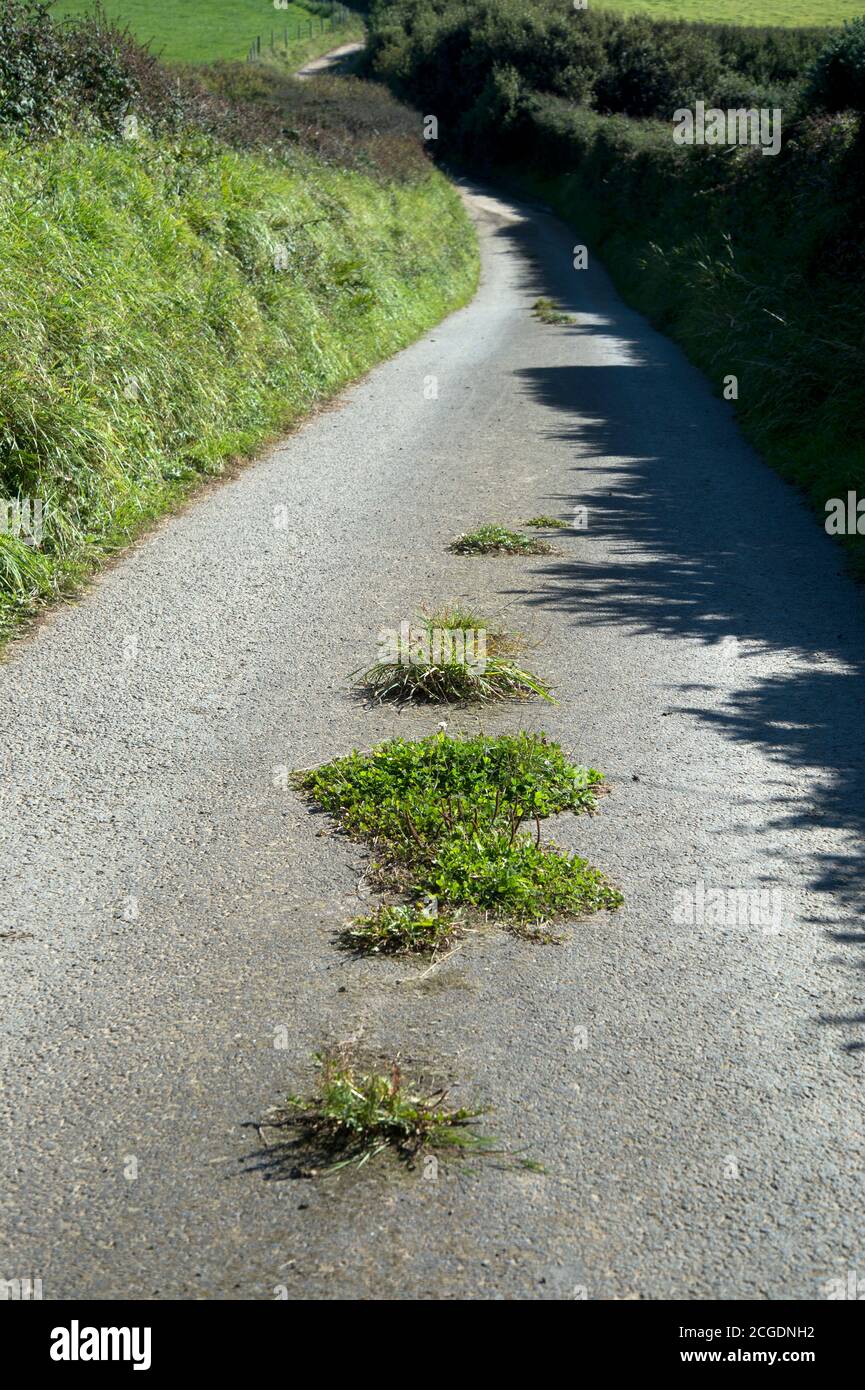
point(200, 31)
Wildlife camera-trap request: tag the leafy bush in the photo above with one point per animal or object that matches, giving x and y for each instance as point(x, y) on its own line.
point(652, 70)
point(475, 62)
point(767, 55)
point(342, 120)
point(49, 73)
point(837, 80)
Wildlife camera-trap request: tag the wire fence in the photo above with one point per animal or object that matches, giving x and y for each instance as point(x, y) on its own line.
point(299, 29)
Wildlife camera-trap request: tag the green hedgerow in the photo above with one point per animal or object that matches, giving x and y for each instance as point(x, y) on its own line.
point(837, 79)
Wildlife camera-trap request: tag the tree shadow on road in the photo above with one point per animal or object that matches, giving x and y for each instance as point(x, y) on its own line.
point(701, 541)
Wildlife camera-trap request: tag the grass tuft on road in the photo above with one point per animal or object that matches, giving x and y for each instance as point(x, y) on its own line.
point(357, 1114)
point(459, 820)
point(401, 930)
point(498, 540)
point(547, 523)
point(549, 312)
point(449, 657)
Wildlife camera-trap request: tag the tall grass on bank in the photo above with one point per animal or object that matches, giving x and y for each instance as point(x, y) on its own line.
point(187, 264)
point(166, 305)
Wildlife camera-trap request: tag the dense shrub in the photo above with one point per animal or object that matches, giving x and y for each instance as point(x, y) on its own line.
point(446, 54)
point(838, 77)
point(652, 69)
point(767, 55)
point(48, 71)
point(343, 120)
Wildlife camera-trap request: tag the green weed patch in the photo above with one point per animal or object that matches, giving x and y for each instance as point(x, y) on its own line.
point(498, 540)
point(401, 930)
point(548, 312)
point(459, 820)
point(357, 1113)
point(452, 656)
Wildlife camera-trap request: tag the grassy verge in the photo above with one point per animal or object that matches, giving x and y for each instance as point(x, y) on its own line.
point(446, 818)
point(168, 304)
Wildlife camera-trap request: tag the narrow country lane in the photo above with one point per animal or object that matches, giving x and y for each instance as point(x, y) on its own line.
point(694, 1091)
point(329, 62)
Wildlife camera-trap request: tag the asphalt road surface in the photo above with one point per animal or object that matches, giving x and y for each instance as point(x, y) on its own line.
point(693, 1088)
point(328, 62)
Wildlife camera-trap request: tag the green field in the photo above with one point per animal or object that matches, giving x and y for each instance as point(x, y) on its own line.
point(199, 31)
point(797, 12)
